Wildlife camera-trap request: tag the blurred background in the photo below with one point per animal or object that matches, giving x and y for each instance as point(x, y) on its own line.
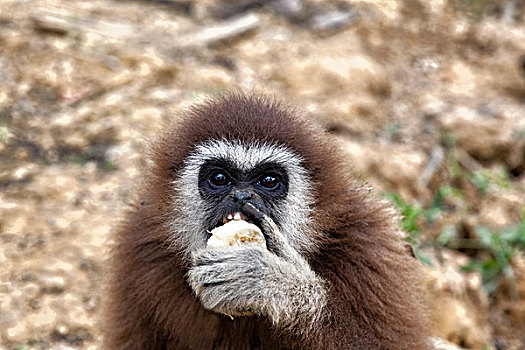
point(425, 97)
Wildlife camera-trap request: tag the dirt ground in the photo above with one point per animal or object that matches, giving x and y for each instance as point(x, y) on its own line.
point(423, 96)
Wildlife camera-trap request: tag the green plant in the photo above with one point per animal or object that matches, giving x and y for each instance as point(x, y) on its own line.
point(475, 8)
point(393, 130)
point(92, 154)
point(409, 223)
point(494, 251)
point(519, 134)
point(448, 235)
point(414, 216)
point(502, 247)
point(109, 166)
point(484, 179)
point(5, 134)
point(444, 191)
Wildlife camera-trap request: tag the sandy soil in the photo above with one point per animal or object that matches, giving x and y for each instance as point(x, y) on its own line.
point(418, 93)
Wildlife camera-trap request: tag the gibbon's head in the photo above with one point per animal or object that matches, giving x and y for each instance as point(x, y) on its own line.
point(239, 149)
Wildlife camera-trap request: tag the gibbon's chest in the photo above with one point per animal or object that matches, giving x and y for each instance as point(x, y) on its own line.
point(241, 333)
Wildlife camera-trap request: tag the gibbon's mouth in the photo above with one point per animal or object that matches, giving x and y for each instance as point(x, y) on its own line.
point(232, 217)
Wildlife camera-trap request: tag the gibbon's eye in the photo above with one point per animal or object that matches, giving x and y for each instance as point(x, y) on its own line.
point(269, 181)
point(219, 180)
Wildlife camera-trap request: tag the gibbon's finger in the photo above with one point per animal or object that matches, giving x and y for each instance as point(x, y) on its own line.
point(275, 241)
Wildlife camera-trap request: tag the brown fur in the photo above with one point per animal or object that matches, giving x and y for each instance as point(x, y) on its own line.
point(371, 280)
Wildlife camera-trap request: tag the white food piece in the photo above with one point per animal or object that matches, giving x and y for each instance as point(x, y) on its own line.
point(236, 233)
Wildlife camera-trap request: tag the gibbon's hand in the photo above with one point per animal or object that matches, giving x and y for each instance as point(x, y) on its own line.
point(246, 281)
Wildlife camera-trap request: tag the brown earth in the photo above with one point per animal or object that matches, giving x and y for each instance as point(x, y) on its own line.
point(418, 93)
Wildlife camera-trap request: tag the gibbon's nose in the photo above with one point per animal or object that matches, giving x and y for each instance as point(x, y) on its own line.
point(241, 195)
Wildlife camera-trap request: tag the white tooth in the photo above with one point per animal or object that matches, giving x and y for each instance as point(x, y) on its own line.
point(237, 216)
point(230, 217)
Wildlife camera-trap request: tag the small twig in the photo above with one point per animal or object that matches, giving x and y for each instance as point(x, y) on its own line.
point(104, 90)
point(467, 161)
point(222, 31)
point(509, 10)
point(332, 20)
point(436, 159)
point(58, 22)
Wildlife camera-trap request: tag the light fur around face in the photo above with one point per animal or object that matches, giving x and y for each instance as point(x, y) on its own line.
point(187, 223)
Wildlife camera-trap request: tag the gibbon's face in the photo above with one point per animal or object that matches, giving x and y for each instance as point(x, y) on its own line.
point(229, 188)
point(220, 176)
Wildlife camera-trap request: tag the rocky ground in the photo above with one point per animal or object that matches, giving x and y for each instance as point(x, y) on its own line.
point(427, 98)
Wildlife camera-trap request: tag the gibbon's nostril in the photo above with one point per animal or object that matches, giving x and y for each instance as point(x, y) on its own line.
point(241, 195)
